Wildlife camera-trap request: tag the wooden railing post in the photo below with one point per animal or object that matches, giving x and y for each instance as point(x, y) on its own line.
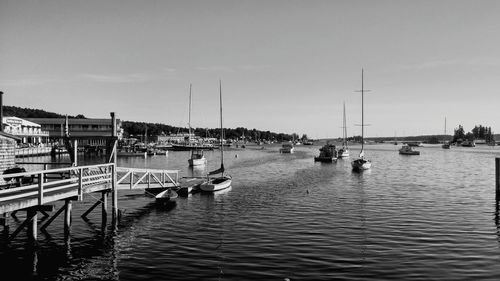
point(149, 179)
point(131, 179)
point(80, 184)
point(40, 188)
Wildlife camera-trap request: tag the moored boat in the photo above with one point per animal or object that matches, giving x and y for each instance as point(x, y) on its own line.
point(344, 151)
point(197, 158)
point(287, 148)
point(165, 197)
point(223, 181)
point(408, 150)
point(468, 143)
point(446, 145)
point(327, 153)
point(361, 163)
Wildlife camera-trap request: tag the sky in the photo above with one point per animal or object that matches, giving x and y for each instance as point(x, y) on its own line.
point(285, 65)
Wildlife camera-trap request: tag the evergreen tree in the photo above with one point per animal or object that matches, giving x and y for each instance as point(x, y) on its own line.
point(459, 134)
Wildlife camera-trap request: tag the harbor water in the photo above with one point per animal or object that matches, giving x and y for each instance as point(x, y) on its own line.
point(426, 217)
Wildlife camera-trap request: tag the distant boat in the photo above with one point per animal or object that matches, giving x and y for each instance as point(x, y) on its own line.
point(307, 142)
point(188, 143)
point(408, 150)
point(414, 143)
point(344, 151)
point(287, 148)
point(327, 153)
point(468, 143)
point(361, 163)
point(224, 181)
point(446, 144)
point(197, 158)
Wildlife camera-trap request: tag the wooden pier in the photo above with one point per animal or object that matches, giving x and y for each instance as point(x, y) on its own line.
point(37, 191)
point(71, 184)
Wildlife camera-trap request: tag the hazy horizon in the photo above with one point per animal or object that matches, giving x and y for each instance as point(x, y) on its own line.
point(286, 66)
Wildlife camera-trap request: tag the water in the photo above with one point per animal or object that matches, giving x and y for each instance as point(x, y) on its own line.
point(425, 217)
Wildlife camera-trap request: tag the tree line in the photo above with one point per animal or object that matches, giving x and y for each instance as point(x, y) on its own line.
point(141, 129)
point(137, 129)
point(478, 132)
point(22, 112)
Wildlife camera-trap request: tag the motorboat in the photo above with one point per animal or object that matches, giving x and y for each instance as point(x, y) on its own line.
point(446, 145)
point(327, 153)
point(287, 148)
point(408, 150)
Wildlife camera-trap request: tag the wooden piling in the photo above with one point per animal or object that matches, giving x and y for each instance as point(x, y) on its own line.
point(104, 201)
point(114, 187)
point(32, 224)
point(67, 217)
point(497, 179)
point(75, 152)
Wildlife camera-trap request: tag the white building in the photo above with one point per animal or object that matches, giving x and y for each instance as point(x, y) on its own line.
point(27, 131)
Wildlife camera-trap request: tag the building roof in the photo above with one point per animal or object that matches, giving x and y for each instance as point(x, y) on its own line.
point(18, 121)
point(3, 134)
point(88, 121)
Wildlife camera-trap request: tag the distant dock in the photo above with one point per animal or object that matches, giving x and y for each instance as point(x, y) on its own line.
point(36, 151)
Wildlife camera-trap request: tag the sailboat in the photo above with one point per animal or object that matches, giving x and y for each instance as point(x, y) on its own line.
point(344, 151)
point(223, 181)
point(446, 144)
point(361, 163)
point(190, 144)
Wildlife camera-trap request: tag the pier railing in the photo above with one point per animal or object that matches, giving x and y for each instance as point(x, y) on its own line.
point(29, 189)
point(131, 178)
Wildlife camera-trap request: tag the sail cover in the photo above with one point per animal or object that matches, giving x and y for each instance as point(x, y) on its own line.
point(218, 171)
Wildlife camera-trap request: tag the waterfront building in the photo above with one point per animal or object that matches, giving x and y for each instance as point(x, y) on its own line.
point(7, 153)
point(89, 131)
point(27, 131)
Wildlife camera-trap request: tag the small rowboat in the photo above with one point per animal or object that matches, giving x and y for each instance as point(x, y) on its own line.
point(166, 197)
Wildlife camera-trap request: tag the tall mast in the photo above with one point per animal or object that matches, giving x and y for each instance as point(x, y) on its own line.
point(221, 129)
point(345, 129)
point(189, 119)
point(445, 126)
point(362, 111)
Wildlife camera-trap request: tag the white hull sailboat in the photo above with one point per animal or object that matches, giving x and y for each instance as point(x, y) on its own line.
point(223, 181)
point(361, 163)
point(344, 151)
point(446, 144)
point(197, 157)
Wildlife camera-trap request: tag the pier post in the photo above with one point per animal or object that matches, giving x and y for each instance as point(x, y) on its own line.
point(32, 224)
point(114, 187)
point(67, 217)
point(75, 152)
point(497, 179)
point(4, 221)
point(104, 202)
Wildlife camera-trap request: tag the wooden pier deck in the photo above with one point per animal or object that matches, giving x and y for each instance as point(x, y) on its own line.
point(72, 184)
